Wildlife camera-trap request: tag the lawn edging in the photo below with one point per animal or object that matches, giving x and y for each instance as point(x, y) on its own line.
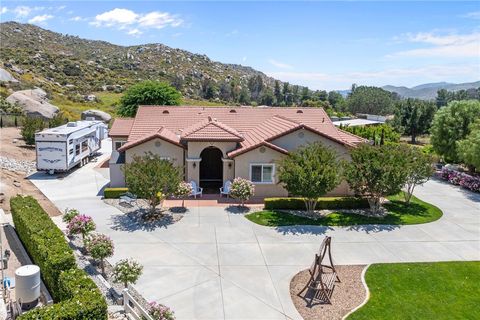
point(367, 293)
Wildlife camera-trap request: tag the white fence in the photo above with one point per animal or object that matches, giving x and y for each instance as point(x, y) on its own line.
point(133, 309)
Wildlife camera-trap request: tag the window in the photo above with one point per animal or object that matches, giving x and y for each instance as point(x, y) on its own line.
point(70, 141)
point(262, 173)
point(70, 151)
point(84, 146)
point(118, 144)
point(77, 149)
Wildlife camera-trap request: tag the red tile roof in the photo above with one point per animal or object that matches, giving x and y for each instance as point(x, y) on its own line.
point(161, 133)
point(121, 127)
point(250, 126)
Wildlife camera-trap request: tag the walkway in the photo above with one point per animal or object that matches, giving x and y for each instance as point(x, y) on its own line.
point(215, 264)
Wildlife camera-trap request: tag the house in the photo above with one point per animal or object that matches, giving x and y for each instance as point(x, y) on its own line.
point(215, 144)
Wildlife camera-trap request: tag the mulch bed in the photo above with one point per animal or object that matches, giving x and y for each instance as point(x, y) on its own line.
point(347, 294)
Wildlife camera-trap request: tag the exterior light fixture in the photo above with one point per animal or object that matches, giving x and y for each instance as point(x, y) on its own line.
point(194, 165)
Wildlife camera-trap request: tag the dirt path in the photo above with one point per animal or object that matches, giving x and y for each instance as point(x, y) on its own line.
point(15, 182)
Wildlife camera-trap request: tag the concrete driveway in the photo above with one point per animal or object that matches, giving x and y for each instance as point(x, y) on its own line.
point(215, 264)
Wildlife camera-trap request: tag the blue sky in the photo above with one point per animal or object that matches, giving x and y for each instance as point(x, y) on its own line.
point(324, 45)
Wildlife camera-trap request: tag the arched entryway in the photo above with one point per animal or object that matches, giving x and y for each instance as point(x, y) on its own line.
point(211, 169)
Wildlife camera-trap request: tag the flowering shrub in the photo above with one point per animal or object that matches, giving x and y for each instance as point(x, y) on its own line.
point(242, 189)
point(160, 312)
point(461, 179)
point(99, 246)
point(183, 190)
point(81, 224)
point(69, 215)
point(127, 271)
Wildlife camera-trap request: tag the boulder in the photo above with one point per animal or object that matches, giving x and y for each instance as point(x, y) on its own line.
point(34, 103)
point(5, 76)
point(97, 114)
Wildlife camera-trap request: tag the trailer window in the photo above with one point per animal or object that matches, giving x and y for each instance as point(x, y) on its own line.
point(70, 151)
point(77, 149)
point(70, 141)
point(84, 146)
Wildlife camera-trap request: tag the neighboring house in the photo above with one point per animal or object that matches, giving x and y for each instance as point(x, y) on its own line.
point(215, 144)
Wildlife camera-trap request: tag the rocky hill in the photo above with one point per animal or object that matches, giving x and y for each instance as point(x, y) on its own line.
point(76, 68)
point(428, 91)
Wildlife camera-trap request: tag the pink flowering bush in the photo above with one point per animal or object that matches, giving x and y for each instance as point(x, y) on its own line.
point(242, 189)
point(461, 179)
point(81, 224)
point(99, 247)
point(160, 312)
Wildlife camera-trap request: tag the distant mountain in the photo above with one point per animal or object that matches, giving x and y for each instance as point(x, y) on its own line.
point(428, 91)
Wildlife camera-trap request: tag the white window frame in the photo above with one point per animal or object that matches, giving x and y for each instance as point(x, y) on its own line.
point(122, 142)
point(262, 165)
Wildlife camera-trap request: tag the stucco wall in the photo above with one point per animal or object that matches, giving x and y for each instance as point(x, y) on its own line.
point(165, 149)
point(242, 169)
point(117, 178)
point(301, 137)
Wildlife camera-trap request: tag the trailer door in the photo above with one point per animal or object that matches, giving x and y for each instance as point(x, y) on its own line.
point(51, 155)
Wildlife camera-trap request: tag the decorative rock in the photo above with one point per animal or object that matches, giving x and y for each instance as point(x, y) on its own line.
point(17, 165)
point(34, 103)
point(5, 76)
point(97, 114)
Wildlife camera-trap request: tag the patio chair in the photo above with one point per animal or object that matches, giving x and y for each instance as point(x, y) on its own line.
point(322, 277)
point(196, 191)
point(225, 190)
point(128, 198)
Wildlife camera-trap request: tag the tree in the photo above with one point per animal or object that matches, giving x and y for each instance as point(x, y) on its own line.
point(267, 97)
point(414, 117)
point(81, 224)
point(334, 98)
point(244, 96)
point(310, 172)
point(57, 120)
point(370, 100)
point(30, 126)
point(442, 98)
point(305, 94)
point(277, 92)
point(152, 178)
point(99, 246)
point(451, 124)
point(147, 93)
point(375, 172)
point(469, 148)
point(127, 271)
point(419, 169)
point(255, 85)
point(242, 189)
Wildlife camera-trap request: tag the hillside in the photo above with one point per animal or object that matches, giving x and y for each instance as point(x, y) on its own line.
point(70, 68)
point(428, 91)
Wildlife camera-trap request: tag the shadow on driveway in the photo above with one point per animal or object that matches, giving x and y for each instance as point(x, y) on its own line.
point(135, 221)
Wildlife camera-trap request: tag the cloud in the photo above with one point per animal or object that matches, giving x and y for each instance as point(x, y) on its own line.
point(449, 46)
point(133, 22)
point(22, 11)
point(472, 15)
point(396, 76)
point(134, 32)
point(3, 10)
point(40, 19)
point(279, 64)
point(77, 19)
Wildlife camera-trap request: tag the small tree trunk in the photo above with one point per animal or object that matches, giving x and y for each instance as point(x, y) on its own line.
point(125, 284)
point(409, 193)
point(375, 205)
point(102, 266)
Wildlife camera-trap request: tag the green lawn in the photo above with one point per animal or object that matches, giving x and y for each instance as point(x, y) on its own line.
point(399, 213)
point(441, 290)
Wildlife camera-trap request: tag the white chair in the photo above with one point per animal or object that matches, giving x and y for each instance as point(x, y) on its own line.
point(195, 190)
point(225, 190)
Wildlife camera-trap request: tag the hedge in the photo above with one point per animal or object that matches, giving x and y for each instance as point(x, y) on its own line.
point(77, 295)
point(43, 240)
point(81, 300)
point(114, 193)
point(332, 203)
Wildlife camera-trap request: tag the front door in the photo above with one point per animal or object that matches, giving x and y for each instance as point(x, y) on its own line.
point(211, 169)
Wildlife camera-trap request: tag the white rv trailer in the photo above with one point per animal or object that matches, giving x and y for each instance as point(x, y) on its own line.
point(64, 147)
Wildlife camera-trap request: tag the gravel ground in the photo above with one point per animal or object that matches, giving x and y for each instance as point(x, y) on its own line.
point(347, 294)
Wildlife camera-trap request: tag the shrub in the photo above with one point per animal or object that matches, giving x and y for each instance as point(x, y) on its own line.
point(114, 193)
point(461, 179)
point(30, 126)
point(81, 224)
point(322, 203)
point(69, 215)
point(99, 246)
point(44, 242)
point(184, 189)
point(80, 300)
point(127, 271)
point(242, 189)
point(160, 312)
